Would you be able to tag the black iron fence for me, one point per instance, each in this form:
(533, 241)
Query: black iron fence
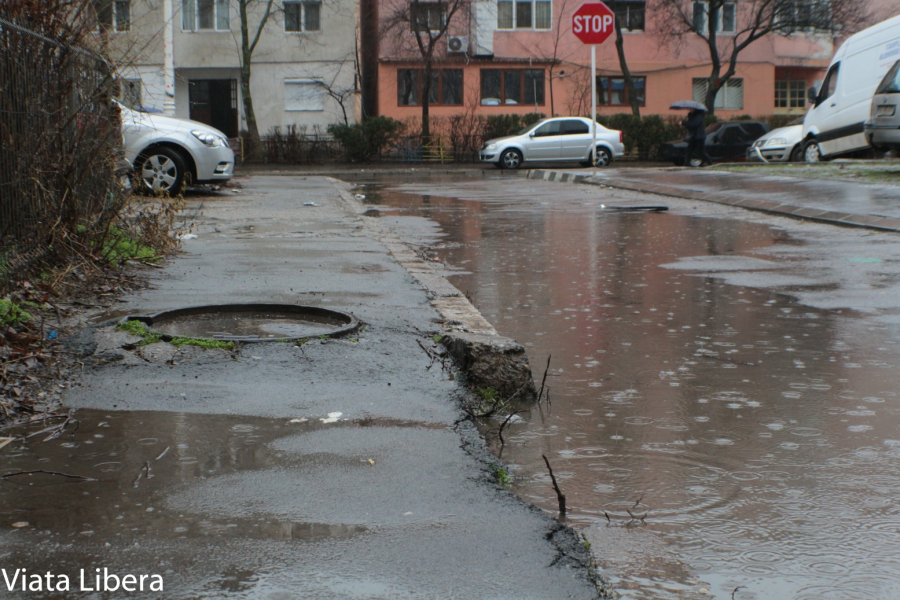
(59, 134)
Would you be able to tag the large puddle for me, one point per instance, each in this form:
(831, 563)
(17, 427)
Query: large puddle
(730, 440)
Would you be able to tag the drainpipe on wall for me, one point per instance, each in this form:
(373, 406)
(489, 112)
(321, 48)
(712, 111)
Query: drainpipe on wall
(168, 59)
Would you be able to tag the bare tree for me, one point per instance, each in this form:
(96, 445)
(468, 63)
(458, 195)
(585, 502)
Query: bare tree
(746, 23)
(417, 26)
(621, 10)
(250, 34)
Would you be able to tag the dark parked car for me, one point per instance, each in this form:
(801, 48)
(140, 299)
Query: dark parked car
(725, 141)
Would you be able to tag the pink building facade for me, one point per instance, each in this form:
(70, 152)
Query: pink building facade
(520, 56)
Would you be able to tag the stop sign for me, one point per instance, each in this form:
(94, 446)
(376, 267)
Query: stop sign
(592, 23)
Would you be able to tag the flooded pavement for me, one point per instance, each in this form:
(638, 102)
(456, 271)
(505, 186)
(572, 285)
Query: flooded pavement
(724, 412)
(332, 469)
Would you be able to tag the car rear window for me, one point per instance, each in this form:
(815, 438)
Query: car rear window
(575, 127)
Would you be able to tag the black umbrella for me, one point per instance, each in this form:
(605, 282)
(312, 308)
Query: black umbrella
(688, 105)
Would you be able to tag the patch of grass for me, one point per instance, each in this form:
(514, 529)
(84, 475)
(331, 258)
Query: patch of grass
(488, 395)
(501, 475)
(117, 246)
(11, 315)
(139, 329)
(437, 338)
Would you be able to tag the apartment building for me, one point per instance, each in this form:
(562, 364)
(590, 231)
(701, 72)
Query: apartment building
(183, 58)
(520, 56)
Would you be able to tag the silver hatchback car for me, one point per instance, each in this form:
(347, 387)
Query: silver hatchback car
(883, 127)
(560, 139)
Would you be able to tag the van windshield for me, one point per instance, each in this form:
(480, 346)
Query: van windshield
(891, 82)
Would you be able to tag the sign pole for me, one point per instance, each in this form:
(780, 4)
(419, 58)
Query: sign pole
(594, 110)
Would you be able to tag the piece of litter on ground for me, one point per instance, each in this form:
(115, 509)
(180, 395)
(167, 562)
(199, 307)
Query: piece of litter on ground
(332, 417)
(300, 420)
(371, 462)
(20, 524)
(310, 204)
(235, 191)
(5, 441)
(360, 196)
(188, 236)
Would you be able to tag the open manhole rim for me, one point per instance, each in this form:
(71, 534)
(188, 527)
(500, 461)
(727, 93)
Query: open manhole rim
(351, 322)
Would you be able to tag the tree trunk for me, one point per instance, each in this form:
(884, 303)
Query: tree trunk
(626, 72)
(253, 144)
(426, 93)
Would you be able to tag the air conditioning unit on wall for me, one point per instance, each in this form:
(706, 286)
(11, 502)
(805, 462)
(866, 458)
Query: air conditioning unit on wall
(457, 44)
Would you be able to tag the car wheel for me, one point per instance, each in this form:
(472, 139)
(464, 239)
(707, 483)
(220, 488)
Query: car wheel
(696, 162)
(811, 152)
(602, 157)
(796, 154)
(162, 171)
(510, 159)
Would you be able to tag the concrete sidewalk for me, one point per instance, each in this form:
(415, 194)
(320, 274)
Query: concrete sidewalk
(336, 469)
(836, 202)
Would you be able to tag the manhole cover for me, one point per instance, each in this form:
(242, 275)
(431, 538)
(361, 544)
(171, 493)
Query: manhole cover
(249, 322)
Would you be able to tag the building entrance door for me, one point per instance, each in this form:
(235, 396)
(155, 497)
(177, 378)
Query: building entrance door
(214, 102)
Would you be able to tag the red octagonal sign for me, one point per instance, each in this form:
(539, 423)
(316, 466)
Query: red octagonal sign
(592, 23)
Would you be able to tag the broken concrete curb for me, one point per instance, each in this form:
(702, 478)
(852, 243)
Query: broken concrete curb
(488, 359)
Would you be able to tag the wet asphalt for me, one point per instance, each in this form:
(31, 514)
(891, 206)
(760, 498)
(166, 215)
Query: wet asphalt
(333, 469)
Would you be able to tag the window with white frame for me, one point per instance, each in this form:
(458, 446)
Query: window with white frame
(630, 14)
(815, 15)
(205, 15)
(302, 15)
(726, 21)
(729, 97)
(524, 14)
(113, 15)
(304, 95)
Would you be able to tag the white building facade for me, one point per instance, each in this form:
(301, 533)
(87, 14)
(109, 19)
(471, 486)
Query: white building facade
(183, 58)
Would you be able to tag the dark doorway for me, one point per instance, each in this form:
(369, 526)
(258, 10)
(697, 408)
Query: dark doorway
(214, 102)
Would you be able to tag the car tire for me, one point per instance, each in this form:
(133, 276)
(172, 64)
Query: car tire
(811, 152)
(696, 162)
(602, 157)
(161, 171)
(796, 154)
(510, 159)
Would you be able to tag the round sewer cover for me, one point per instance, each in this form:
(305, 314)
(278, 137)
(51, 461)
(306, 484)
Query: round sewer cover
(249, 322)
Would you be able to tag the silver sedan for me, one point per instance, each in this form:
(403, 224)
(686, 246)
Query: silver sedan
(560, 139)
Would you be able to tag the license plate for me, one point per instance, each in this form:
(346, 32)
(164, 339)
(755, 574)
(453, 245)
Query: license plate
(886, 110)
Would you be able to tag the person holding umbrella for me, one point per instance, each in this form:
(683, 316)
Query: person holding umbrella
(696, 131)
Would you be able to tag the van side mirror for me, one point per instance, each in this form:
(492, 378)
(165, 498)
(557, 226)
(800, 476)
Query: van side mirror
(812, 94)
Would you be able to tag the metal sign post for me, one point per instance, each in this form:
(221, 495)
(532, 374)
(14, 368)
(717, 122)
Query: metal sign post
(592, 23)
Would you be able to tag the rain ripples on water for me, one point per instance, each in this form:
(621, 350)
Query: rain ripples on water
(725, 375)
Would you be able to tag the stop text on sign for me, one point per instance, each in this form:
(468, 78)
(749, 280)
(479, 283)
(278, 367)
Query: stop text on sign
(592, 24)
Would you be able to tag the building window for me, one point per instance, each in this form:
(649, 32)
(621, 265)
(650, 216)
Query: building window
(520, 86)
(630, 14)
(304, 95)
(725, 23)
(815, 15)
(729, 97)
(113, 15)
(301, 16)
(427, 16)
(524, 14)
(612, 91)
(790, 94)
(205, 15)
(446, 87)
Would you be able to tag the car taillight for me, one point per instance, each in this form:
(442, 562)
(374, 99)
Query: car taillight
(621, 137)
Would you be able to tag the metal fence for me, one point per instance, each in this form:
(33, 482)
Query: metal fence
(59, 133)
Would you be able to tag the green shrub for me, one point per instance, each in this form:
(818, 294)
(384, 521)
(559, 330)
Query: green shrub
(11, 315)
(502, 125)
(363, 142)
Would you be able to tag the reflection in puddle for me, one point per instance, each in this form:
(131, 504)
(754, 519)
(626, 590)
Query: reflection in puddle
(684, 376)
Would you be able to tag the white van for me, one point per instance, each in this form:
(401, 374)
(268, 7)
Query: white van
(834, 125)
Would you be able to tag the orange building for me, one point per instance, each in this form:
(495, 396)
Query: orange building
(520, 56)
